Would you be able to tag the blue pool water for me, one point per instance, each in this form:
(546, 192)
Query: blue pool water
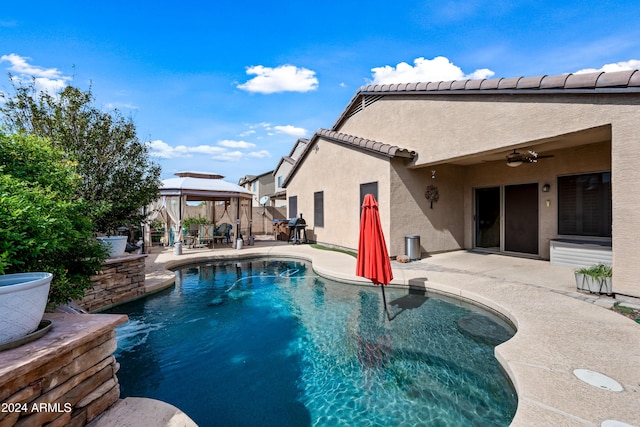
(268, 343)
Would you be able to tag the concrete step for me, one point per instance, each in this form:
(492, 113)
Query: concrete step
(142, 412)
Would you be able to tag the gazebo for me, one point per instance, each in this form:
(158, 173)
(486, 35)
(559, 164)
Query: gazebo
(197, 187)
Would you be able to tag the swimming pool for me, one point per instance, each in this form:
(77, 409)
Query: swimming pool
(267, 342)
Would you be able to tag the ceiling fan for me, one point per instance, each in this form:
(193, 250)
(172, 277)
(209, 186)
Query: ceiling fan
(516, 159)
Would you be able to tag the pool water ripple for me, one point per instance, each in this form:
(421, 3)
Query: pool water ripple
(266, 342)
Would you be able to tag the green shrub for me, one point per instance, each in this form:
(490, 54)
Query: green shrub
(118, 176)
(43, 226)
(188, 222)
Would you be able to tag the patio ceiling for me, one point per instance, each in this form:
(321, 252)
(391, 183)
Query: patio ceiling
(542, 146)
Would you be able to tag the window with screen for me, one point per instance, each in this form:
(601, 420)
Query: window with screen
(584, 205)
(293, 206)
(318, 209)
(368, 188)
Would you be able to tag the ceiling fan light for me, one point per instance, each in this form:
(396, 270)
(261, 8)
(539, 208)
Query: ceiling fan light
(514, 163)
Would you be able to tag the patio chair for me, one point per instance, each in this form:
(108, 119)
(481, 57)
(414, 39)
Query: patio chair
(206, 234)
(223, 232)
(192, 237)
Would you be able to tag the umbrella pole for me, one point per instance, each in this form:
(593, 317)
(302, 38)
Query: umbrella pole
(384, 300)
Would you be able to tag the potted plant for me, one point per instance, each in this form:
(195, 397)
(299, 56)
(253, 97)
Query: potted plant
(115, 245)
(23, 299)
(193, 223)
(595, 279)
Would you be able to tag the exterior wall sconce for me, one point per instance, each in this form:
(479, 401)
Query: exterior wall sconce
(546, 188)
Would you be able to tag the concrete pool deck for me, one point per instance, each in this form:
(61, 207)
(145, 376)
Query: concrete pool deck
(559, 329)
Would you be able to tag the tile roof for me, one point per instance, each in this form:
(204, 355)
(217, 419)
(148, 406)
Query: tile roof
(290, 159)
(627, 81)
(365, 144)
(355, 142)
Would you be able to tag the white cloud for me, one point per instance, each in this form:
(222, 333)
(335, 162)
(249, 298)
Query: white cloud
(290, 130)
(271, 130)
(259, 154)
(49, 80)
(203, 149)
(285, 78)
(229, 156)
(425, 70)
(19, 65)
(161, 149)
(236, 144)
(632, 64)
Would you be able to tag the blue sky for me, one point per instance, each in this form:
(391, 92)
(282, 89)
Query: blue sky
(229, 87)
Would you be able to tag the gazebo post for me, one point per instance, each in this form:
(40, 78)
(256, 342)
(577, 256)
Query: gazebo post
(177, 245)
(250, 222)
(238, 221)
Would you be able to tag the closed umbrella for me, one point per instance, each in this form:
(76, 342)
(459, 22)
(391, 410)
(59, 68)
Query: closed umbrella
(373, 258)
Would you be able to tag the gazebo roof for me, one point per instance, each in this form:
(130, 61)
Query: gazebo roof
(193, 174)
(199, 186)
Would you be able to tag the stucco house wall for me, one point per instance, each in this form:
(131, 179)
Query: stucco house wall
(444, 129)
(338, 172)
(463, 131)
(440, 228)
(282, 171)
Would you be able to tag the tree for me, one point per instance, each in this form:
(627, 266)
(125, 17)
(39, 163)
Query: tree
(43, 225)
(118, 177)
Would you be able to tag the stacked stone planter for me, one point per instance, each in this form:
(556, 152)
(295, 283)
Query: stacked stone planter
(120, 279)
(66, 378)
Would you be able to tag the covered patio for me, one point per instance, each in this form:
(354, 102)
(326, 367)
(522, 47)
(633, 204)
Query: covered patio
(200, 187)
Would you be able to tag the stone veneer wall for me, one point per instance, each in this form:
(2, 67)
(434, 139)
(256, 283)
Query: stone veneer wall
(66, 378)
(121, 279)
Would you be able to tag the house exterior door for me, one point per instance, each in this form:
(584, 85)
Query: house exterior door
(517, 206)
(487, 218)
(521, 218)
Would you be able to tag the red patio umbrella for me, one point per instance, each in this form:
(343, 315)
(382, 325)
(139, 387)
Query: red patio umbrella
(373, 259)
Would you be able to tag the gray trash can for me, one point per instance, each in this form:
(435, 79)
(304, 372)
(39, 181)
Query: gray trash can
(412, 246)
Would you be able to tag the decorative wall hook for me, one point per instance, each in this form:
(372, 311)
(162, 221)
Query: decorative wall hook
(432, 194)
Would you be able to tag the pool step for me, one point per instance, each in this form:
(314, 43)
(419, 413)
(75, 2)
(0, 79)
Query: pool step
(139, 411)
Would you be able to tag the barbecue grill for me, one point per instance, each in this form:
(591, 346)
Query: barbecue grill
(297, 229)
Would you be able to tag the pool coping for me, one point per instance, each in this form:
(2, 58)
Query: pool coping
(558, 330)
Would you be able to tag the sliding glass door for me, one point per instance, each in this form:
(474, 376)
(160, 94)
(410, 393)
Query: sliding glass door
(518, 205)
(487, 218)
